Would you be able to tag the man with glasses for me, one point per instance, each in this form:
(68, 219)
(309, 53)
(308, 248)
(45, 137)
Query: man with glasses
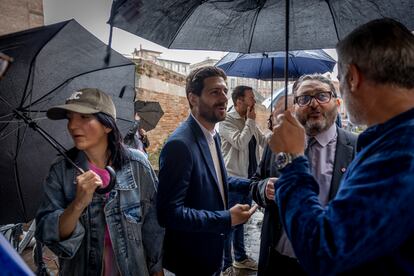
(368, 228)
(330, 149)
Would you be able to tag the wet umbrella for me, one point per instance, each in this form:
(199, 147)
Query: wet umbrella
(150, 114)
(247, 26)
(270, 66)
(50, 63)
(252, 26)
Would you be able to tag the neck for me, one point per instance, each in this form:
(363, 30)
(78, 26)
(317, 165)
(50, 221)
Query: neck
(98, 156)
(389, 101)
(208, 125)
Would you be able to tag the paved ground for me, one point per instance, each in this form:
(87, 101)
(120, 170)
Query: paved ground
(252, 243)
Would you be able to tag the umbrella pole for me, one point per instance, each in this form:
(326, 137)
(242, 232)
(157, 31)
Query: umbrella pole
(287, 51)
(48, 138)
(271, 88)
(62, 150)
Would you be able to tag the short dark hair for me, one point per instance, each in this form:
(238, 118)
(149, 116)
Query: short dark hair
(383, 50)
(195, 80)
(238, 92)
(317, 77)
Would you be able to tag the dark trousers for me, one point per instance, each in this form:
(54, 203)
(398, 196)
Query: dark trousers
(236, 235)
(278, 264)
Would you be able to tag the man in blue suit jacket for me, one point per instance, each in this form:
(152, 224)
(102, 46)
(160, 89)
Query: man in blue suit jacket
(193, 184)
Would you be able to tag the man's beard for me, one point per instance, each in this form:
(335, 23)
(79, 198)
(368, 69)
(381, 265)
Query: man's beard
(314, 127)
(209, 114)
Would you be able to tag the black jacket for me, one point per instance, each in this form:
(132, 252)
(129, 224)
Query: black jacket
(272, 228)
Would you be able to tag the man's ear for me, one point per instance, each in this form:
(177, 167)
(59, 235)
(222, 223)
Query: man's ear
(338, 102)
(193, 99)
(354, 77)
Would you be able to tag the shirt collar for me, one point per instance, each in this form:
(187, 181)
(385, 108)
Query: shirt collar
(328, 135)
(207, 133)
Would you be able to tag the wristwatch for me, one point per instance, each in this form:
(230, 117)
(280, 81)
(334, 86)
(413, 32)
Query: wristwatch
(283, 159)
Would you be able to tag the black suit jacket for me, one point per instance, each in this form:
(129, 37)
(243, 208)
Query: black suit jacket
(272, 228)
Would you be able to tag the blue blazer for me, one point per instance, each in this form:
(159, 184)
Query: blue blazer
(189, 203)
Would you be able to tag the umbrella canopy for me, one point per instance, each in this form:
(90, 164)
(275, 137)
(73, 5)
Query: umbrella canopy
(50, 63)
(259, 66)
(150, 114)
(252, 26)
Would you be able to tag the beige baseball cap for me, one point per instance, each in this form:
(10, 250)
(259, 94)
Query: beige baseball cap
(84, 101)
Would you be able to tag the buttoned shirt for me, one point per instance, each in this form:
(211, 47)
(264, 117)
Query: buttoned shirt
(321, 156)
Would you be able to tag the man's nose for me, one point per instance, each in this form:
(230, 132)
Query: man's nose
(313, 102)
(223, 95)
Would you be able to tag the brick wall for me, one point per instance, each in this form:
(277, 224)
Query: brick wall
(18, 15)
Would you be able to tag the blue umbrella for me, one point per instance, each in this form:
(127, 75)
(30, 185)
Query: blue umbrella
(271, 66)
(259, 65)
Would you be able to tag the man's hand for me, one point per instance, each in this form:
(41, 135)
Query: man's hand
(159, 273)
(288, 135)
(251, 113)
(240, 213)
(270, 188)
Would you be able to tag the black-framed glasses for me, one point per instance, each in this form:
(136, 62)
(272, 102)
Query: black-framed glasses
(321, 97)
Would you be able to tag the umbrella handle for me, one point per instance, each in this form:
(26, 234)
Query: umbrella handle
(111, 184)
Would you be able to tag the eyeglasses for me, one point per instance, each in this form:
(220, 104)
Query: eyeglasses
(321, 97)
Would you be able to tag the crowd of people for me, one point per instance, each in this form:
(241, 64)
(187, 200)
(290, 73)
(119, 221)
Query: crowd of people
(334, 203)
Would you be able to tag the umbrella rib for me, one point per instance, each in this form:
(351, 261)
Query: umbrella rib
(19, 188)
(254, 26)
(73, 77)
(187, 16)
(333, 18)
(34, 61)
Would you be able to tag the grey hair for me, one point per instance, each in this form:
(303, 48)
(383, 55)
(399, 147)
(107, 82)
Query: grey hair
(383, 50)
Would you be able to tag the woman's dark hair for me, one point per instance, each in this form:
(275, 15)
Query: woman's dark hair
(119, 154)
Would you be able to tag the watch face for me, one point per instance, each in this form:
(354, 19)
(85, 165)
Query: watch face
(281, 160)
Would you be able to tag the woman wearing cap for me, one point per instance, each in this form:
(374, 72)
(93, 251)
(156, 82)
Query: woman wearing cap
(112, 234)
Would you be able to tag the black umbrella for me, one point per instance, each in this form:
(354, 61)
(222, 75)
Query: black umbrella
(247, 26)
(49, 64)
(150, 114)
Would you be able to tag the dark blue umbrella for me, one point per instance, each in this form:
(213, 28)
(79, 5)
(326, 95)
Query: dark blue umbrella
(259, 65)
(271, 66)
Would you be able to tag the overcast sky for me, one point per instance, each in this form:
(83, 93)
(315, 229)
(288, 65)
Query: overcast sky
(93, 15)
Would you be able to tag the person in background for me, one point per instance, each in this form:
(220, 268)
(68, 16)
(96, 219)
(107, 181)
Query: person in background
(112, 234)
(136, 137)
(241, 140)
(368, 227)
(330, 150)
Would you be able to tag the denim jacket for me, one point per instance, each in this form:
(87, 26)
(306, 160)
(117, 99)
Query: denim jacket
(129, 212)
